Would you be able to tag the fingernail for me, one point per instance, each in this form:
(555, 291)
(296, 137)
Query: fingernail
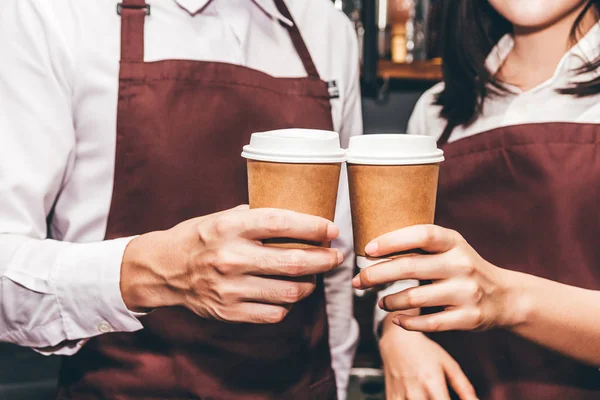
(340, 257)
(380, 304)
(372, 248)
(396, 321)
(332, 231)
(356, 282)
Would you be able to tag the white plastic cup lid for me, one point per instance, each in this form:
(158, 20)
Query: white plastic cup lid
(302, 146)
(393, 149)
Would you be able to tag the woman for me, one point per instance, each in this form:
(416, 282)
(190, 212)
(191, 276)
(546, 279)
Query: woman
(515, 250)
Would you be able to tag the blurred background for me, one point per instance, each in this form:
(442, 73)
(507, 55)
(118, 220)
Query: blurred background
(400, 60)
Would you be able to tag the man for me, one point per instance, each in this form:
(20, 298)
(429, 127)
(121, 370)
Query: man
(120, 169)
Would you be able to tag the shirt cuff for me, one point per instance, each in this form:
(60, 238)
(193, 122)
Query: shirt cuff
(86, 280)
(379, 314)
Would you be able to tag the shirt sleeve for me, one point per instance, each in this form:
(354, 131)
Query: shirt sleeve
(343, 328)
(53, 295)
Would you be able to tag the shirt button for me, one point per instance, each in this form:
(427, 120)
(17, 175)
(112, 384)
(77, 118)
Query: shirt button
(104, 327)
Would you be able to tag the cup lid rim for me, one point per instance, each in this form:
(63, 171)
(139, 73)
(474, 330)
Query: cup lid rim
(331, 152)
(389, 150)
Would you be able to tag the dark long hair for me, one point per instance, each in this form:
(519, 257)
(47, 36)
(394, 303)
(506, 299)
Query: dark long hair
(471, 28)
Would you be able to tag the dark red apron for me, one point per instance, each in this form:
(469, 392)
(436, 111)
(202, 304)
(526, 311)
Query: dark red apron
(526, 198)
(180, 131)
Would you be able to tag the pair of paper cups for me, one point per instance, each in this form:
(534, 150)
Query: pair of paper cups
(392, 180)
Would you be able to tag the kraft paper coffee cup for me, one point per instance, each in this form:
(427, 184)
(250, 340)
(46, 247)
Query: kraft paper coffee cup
(294, 169)
(393, 184)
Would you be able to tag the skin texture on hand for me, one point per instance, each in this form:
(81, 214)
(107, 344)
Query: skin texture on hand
(476, 295)
(472, 290)
(417, 368)
(217, 267)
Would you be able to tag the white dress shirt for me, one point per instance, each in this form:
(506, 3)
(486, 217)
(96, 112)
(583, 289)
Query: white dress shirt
(59, 65)
(538, 105)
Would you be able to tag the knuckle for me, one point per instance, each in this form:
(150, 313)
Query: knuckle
(225, 292)
(222, 261)
(463, 263)
(413, 299)
(295, 263)
(458, 238)
(407, 266)
(220, 314)
(477, 318)
(473, 291)
(202, 232)
(277, 222)
(429, 232)
(225, 225)
(426, 375)
(276, 315)
(292, 293)
(432, 324)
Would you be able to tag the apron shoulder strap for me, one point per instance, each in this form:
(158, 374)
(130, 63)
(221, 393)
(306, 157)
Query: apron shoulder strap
(298, 42)
(133, 15)
(443, 140)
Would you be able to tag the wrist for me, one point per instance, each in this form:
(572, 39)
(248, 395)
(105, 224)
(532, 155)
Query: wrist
(143, 286)
(517, 304)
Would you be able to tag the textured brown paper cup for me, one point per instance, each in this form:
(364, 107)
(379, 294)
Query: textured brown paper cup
(385, 198)
(304, 188)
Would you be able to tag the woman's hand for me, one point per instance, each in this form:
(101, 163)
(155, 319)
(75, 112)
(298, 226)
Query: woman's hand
(417, 368)
(474, 293)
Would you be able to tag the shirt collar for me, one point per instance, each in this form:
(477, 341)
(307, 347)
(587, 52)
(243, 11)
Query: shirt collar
(268, 6)
(586, 50)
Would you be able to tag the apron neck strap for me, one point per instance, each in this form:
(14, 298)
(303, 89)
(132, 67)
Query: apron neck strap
(133, 14)
(298, 42)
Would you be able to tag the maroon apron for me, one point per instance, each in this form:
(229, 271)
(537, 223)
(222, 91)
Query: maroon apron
(527, 198)
(180, 130)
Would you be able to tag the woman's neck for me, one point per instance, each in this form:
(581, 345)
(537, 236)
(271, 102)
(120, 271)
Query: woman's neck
(538, 51)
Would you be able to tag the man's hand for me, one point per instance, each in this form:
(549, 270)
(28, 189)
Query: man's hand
(217, 266)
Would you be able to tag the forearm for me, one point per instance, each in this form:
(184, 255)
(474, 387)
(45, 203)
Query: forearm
(557, 316)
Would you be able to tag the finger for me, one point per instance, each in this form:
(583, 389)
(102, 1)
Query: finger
(458, 319)
(271, 261)
(430, 238)
(444, 293)
(267, 223)
(256, 313)
(420, 267)
(276, 291)
(459, 381)
(436, 387)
